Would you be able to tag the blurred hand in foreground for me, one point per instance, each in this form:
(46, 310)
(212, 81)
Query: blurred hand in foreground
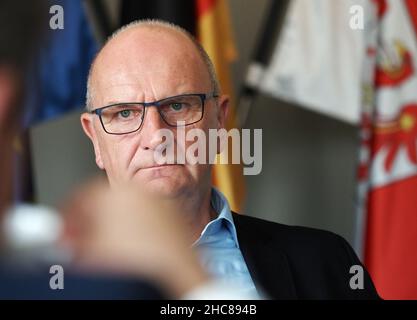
(133, 232)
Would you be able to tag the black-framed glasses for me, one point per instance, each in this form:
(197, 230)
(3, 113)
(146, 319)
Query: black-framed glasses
(181, 110)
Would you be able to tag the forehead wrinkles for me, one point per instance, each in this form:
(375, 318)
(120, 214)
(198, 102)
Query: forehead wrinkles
(142, 91)
(158, 81)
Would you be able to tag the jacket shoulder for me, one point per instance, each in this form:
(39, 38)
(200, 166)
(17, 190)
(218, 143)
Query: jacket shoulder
(320, 261)
(287, 236)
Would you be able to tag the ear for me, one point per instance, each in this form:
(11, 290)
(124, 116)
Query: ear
(223, 111)
(224, 103)
(87, 122)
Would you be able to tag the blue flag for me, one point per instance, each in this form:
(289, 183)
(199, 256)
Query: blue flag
(57, 83)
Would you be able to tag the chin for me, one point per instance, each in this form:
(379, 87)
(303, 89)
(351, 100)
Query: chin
(165, 187)
(169, 182)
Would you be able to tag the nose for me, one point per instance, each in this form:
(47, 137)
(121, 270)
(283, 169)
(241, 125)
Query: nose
(151, 135)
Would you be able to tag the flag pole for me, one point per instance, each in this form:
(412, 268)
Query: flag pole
(260, 59)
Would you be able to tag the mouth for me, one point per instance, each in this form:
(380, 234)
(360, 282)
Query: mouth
(162, 166)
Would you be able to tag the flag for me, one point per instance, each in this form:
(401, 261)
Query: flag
(58, 80)
(388, 166)
(317, 57)
(56, 83)
(215, 34)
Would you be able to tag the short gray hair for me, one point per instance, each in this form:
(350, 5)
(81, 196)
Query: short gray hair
(154, 23)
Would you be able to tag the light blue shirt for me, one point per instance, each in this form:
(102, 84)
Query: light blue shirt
(219, 250)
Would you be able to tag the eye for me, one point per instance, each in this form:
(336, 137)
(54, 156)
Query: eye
(176, 106)
(125, 113)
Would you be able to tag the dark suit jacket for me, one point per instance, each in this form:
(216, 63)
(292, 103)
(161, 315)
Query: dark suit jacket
(288, 262)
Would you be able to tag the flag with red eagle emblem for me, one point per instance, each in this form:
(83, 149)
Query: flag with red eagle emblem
(388, 165)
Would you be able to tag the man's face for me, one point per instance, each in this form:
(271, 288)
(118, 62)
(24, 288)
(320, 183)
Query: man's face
(145, 65)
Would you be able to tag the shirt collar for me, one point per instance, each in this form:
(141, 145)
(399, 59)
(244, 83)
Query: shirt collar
(224, 219)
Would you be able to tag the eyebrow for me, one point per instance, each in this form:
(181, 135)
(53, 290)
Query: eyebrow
(132, 101)
(114, 102)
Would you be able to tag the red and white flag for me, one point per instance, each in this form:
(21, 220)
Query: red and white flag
(388, 168)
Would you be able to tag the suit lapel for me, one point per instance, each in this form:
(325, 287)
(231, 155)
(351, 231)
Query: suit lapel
(267, 264)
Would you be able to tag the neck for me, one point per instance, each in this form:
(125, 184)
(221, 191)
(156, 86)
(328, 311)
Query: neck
(200, 213)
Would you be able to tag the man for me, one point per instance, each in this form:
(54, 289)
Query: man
(152, 76)
(178, 276)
